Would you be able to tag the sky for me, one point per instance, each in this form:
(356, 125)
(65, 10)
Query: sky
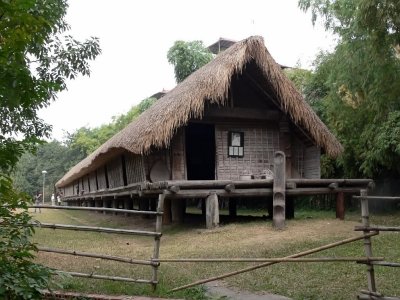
(135, 37)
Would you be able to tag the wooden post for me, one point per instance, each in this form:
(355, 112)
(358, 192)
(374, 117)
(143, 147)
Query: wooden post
(279, 190)
(104, 205)
(212, 211)
(340, 209)
(167, 217)
(98, 203)
(115, 205)
(144, 204)
(128, 204)
(156, 251)
(289, 207)
(232, 207)
(178, 210)
(367, 240)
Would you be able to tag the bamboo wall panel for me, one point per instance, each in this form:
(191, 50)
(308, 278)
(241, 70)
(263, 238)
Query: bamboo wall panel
(260, 144)
(178, 158)
(69, 190)
(92, 181)
(298, 150)
(86, 187)
(134, 168)
(101, 178)
(312, 162)
(76, 187)
(115, 173)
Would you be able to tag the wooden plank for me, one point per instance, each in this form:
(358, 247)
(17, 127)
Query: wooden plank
(242, 113)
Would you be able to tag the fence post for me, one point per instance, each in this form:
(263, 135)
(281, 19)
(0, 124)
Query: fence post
(279, 190)
(156, 251)
(367, 240)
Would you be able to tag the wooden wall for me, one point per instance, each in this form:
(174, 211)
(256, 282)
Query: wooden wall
(154, 157)
(93, 181)
(115, 173)
(260, 143)
(312, 162)
(178, 156)
(101, 178)
(134, 168)
(69, 190)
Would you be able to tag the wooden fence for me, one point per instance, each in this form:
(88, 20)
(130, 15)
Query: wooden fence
(368, 232)
(153, 263)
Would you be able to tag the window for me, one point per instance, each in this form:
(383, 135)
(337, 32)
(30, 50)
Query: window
(235, 144)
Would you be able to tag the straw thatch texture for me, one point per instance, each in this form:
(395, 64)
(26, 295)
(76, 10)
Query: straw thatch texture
(210, 84)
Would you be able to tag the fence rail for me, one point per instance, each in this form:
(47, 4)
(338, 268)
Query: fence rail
(155, 234)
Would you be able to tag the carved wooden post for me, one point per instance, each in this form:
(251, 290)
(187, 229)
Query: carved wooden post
(212, 211)
(279, 190)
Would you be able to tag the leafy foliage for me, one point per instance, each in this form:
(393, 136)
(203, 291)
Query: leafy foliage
(188, 57)
(37, 57)
(357, 86)
(20, 277)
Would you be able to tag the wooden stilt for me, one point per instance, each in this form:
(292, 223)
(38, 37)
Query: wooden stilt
(156, 251)
(104, 205)
(289, 208)
(340, 208)
(212, 211)
(115, 205)
(167, 217)
(232, 208)
(177, 210)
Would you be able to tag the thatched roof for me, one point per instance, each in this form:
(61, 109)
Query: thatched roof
(210, 84)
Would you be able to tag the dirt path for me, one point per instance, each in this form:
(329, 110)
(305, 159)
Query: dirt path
(218, 290)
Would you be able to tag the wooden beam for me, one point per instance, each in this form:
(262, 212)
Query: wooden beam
(243, 113)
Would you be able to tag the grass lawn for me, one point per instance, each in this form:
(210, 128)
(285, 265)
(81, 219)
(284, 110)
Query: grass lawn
(246, 239)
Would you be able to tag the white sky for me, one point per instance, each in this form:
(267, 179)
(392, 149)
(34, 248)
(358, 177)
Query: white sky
(136, 35)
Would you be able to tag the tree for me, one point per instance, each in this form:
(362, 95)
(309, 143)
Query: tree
(37, 57)
(54, 157)
(188, 57)
(358, 84)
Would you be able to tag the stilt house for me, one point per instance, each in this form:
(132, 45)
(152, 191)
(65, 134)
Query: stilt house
(224, 122)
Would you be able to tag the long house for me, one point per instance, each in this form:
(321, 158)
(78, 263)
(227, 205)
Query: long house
(224, 123)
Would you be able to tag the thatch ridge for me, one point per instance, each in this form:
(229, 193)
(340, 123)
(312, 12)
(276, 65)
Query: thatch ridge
(155, 127)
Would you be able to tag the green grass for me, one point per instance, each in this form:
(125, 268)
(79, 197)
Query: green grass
(250, 239)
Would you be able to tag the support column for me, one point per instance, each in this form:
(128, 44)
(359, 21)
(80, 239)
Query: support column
(128, 204)
(279, 190)
(340, 208)
(232, 207)
(178, 207)
(167, 217)
(289, 208)
(104, 205)
(98, 203)
(114, 205)
(144, 205)
(212, 211)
